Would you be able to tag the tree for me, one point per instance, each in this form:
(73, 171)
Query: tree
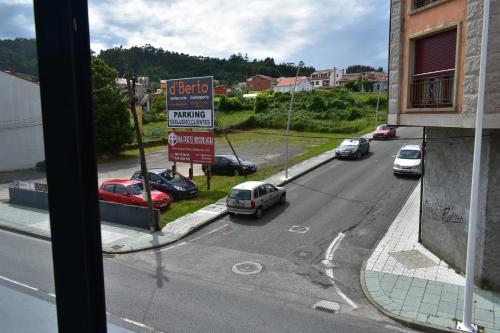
(112, 118)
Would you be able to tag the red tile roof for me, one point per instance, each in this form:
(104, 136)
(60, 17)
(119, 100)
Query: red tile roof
(290, 81)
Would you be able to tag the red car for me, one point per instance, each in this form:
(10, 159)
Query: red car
(130, 192)
(384, 132)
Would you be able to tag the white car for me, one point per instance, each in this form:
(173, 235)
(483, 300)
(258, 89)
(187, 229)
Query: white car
(408, 161)
(252, 198)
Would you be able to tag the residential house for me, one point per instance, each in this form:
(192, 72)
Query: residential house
(372, 81)
(286, 84)
(21, 133)
(327, 78)
(240, 86)
(222, 90)
(260, 82)
(434, 77)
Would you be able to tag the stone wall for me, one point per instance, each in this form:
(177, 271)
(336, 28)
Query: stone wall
(446, 200)
(395, 51)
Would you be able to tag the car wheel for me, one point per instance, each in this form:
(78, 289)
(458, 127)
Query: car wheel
(232, 214)
(259, 213)
(359, 155)
(283, 199)
(236, 172)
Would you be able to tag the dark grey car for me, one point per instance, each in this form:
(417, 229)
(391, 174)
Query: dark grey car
(170, 182)
(353, 148)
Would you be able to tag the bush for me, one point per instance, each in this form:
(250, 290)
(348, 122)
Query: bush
(262, 104)
(317, 104)
(372, 101)
(338, 104)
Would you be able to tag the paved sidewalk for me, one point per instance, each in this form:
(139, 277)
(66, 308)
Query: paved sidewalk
(410, 284)
(123, 239)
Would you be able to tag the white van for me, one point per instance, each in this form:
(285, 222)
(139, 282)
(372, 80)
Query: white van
(251, 198)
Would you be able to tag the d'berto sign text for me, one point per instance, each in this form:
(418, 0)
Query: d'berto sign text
(191, 147)
(190, 102)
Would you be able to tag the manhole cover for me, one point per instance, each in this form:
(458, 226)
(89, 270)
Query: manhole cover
(413, 259)
(299, 229)
(302, 254)
(246, 268)
(327, 306)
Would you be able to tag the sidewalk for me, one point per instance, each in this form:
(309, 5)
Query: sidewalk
(122, 239)
(407, 282)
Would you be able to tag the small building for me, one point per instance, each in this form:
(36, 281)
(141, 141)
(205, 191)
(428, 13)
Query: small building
(327, 78)
(163, 86)
(286, 84)
(372, 81)
(21, 131)
(240, 86)
(260, 82)
(222, 90)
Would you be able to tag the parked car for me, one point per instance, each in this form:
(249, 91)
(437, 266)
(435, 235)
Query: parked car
(252, 198)
(228, 165)
(168, 181)
(408, 161)
(353, 148)
(131, 192)
(384, 132)
(40, 166)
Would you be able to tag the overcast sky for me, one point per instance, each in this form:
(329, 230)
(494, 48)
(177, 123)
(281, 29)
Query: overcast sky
(322, 33)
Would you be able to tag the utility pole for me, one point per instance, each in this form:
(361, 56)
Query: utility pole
(301, 63)
(144, 169)
(466, 325)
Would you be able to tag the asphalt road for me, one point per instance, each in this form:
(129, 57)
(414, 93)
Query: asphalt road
(190, 286)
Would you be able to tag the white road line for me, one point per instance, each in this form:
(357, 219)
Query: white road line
(51, 295)
(19, 283)
(333, 246)
(210, 232)
(136, 323)
(167, 248)
(345, 298)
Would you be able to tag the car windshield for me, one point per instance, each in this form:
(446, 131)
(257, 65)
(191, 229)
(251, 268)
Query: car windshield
(240, 194)
(383, 128)
(349, 143)
(409, 154)
(135, 188)
(232, 158)
(171, 175)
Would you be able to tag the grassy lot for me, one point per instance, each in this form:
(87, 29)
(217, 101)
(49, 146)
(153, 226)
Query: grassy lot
(221, 185)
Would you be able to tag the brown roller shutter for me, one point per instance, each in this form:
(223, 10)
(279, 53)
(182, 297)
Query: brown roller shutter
(436, 52)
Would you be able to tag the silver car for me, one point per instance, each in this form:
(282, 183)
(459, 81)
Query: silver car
(408, 161)
(252, 198)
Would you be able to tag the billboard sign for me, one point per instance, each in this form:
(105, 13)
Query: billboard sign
(190, 102)
(191, 147)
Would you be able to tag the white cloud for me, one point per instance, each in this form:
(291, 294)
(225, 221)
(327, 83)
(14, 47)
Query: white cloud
(261, 28)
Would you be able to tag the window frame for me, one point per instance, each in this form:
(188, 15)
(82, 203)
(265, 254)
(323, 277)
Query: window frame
(411, 67)
(414, 10)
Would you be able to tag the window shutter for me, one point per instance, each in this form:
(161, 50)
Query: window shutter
(436, 52)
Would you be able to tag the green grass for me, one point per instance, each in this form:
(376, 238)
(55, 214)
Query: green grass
(229, 119)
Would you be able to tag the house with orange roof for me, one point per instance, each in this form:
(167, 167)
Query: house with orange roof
(286, 84)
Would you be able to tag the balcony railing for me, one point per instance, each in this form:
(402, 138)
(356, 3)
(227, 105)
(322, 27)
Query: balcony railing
(422, 3)
(432, 90)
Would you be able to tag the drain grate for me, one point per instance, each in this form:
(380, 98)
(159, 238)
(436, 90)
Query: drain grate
(110, 256)
(247, 268)
(327, 306)
(413, 259)
(299, 229)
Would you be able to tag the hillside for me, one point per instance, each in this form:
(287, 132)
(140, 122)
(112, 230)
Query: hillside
(20, 53)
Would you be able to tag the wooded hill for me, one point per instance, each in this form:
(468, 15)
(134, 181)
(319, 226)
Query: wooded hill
(156, 63)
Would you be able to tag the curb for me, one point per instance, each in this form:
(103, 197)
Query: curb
(24, 232)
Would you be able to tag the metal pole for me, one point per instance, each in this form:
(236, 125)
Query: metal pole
(376, 110)
(288, 121)
(467, 325)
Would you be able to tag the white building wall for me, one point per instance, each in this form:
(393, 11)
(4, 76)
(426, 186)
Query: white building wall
(21, 135)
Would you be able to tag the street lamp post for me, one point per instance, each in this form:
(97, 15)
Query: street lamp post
(301, 63)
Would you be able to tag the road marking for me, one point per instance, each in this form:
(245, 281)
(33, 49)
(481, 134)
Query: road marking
(167, 248)
(330, 252)
(19, 283)
(51, 295)
(136, 323)
(210, 232)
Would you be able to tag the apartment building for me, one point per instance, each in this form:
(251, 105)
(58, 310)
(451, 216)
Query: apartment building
(434, 76)
(327, 78)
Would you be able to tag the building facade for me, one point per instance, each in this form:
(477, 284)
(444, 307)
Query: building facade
(260, 82)
(286, 84)
(434, 76)
(327, 78)
(21, 133)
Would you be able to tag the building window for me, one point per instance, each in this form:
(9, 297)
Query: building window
(421, 3)
(432, 82)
